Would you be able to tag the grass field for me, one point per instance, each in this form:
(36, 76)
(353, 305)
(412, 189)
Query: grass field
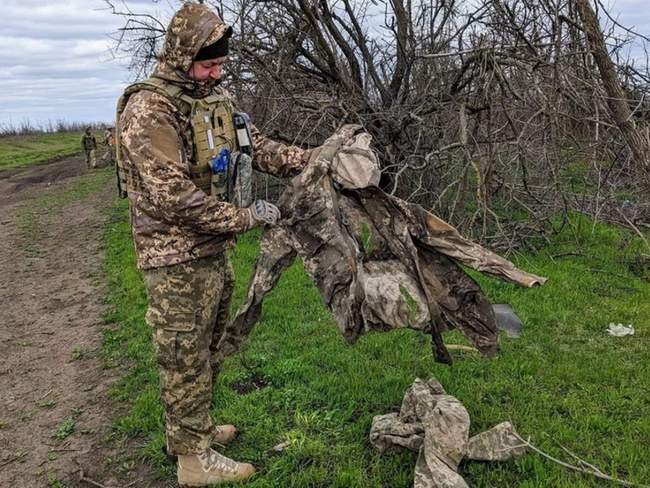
(18, 151)
(564, 383)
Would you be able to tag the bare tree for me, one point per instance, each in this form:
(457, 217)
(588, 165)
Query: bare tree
(498, 116)
(138, 39)
(616, 98)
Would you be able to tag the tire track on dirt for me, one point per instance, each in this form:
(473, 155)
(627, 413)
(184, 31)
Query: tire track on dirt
(54, 412)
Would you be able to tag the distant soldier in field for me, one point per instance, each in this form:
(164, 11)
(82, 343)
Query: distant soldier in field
(178, 141)
(89, 145)
(109, 143)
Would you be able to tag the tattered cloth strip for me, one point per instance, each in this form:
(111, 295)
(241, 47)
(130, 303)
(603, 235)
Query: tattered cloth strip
(379, 263)
(436, 425)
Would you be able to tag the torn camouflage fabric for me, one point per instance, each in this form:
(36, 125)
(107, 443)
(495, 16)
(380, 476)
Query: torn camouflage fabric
(436, 425)
(379, 263)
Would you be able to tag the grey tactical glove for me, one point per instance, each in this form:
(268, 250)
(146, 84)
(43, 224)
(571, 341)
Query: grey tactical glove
(263, 212)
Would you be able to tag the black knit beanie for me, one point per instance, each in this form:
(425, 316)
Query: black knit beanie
(217, 49)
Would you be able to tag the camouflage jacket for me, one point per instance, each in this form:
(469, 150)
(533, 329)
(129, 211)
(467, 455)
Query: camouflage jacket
(380, 263)
(88, 142)
(172, 220)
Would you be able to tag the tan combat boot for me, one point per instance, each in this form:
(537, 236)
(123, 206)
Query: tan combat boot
(210, 468)
(223, 435)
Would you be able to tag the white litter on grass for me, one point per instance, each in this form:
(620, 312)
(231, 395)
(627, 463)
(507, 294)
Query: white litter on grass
(281, 447)
(620, 330)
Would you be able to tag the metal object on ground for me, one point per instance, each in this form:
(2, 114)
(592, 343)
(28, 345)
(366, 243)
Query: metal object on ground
(507, 320)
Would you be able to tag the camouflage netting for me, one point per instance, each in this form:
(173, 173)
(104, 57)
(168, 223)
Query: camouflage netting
(380, 263)
(436, 426)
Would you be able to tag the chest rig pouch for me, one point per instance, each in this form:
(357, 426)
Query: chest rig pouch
(221, 164)
(215, 145)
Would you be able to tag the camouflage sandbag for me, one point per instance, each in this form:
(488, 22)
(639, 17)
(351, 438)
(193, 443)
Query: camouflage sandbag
(436, 425)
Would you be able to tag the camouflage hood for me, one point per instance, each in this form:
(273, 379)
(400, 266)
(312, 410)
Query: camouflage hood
(192, 27)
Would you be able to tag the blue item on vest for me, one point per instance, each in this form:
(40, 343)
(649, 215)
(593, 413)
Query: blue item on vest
(220, 167)
(220, 163)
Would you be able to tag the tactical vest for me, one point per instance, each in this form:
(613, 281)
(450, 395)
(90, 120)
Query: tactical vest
(212, 131)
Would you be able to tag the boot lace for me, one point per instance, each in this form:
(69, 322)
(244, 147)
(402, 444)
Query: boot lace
(211, 460)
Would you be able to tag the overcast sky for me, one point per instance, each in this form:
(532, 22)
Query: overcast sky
(56, 63)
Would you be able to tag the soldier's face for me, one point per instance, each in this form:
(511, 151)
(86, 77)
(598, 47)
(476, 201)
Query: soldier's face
(208, 69)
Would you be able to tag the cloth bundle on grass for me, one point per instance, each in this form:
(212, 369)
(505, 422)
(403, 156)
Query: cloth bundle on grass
(436, 426)
(379, 262)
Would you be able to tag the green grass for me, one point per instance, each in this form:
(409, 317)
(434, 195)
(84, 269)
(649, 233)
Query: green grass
(565, 382)
(54, 482)
(18, 151)
(68, 426)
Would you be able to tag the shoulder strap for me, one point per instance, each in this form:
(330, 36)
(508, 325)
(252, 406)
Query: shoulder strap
(171, 92)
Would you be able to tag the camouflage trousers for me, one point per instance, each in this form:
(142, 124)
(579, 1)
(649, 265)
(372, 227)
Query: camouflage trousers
(188, 310)
(108, 158)
(91, 159)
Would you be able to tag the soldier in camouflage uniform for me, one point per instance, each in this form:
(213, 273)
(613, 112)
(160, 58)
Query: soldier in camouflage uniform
(109, 142)
(89, 146)
(181, 235)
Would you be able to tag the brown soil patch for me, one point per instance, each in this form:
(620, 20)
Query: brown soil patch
(254, 382)
(55, 416)
(16, 184)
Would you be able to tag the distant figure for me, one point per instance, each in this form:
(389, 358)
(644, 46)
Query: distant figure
(109, 143)
(89, 145)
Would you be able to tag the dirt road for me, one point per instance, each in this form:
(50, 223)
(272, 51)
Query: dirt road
(55, 416)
